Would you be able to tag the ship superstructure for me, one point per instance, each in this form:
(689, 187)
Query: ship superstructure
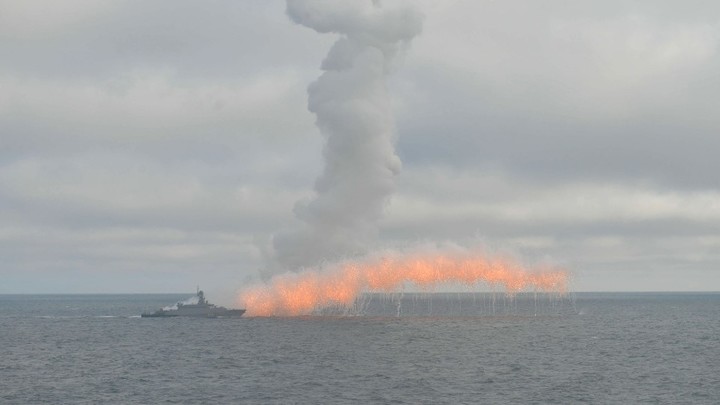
(198, 307)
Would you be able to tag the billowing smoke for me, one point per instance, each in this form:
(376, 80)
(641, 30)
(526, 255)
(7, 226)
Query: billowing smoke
(354, 115)
(327, 254)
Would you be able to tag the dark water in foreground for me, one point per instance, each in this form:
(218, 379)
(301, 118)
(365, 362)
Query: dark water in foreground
(596, 348)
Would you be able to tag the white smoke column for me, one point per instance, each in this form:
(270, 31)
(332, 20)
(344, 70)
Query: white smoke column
(353, 113)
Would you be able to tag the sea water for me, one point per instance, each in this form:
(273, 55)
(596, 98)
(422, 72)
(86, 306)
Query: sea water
(402, 349)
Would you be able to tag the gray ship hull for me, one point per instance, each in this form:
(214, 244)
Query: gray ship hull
(227, 313)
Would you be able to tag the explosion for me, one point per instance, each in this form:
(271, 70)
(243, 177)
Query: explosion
(354, 114)
(304, 293)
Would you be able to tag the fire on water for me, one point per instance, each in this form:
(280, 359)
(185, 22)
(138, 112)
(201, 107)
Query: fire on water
(303, 293)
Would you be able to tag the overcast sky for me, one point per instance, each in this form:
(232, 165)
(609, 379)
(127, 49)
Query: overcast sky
(153, 146)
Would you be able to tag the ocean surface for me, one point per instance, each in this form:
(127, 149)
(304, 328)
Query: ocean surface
(622, 348)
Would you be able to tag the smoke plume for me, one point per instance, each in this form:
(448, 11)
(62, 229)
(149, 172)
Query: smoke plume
(353, 113)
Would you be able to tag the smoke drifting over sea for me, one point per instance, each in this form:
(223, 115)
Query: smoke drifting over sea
(353, 113)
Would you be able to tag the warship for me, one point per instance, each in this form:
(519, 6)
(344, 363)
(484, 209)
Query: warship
(197, 307)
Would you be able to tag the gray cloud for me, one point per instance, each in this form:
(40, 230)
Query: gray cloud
(141, 142)
(627, 93)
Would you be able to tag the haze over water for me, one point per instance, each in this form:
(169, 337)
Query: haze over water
(444, 348)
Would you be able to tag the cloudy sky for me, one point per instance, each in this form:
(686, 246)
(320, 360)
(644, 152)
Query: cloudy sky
(153, 146)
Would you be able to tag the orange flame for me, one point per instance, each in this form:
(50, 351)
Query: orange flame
(302, 293)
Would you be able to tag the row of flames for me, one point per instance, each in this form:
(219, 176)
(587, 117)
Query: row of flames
(303, 293)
